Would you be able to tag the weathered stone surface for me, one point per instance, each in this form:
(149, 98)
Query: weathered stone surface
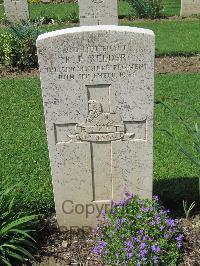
(16, 10)
(97, 85)
(190, 7)
(98, 12)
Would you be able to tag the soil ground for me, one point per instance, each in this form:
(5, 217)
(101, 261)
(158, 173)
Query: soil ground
(65, 248)
(175, 65)
(163, 65)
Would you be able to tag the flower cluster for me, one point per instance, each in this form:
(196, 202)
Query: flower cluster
(138, 232)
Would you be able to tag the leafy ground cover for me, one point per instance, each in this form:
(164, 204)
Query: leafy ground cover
(24, 154)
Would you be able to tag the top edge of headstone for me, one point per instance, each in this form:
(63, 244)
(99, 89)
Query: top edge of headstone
(94, 28)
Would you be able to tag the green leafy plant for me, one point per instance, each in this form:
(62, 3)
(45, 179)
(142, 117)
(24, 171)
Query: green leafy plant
(138, 232)
(195, 134)
(187, 209)
(7, 44)
(25, 48)
(18, 46)
(73, 16)
(147, 8)
(16, 243)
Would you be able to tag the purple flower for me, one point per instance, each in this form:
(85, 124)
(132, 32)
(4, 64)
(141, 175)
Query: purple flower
(162, 227)
(122, 203)
(129, 195)
(180, 237)
(166, 236)
(170, 222)
(179, 244)
(136, 239)
(144, 209)
(156, 198)
(157, 219)
(163, 212)
(120, 221)
(140, 232)
(112, 211)
(129, 255)
(103, 212)
(144, 238)
(155, 249)
(155, 260)
(102, 244)
(113, 203)
(143, 254)
(152, 223)
(123, 220)
(129, 244)
(99, 248)
(174, 230)
(139, 216)
(143, 245)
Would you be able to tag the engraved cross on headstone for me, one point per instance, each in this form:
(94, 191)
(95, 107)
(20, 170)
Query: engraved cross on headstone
(101, 128)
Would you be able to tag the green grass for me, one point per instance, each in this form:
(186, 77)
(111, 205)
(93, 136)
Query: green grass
(65, 11)
(175, 176)
(61, 11)
(24, 155)
(173, 37)
(171, 7)
(23, 150)
(69, 11)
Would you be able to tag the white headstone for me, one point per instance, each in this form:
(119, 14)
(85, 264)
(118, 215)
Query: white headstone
(16, 10)
(98, 86)
(98, 12)
(190, 7)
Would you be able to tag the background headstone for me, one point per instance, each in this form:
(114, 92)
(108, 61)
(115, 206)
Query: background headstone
(98, 85)
(190, 7)
(98, 12)
(16, 10)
